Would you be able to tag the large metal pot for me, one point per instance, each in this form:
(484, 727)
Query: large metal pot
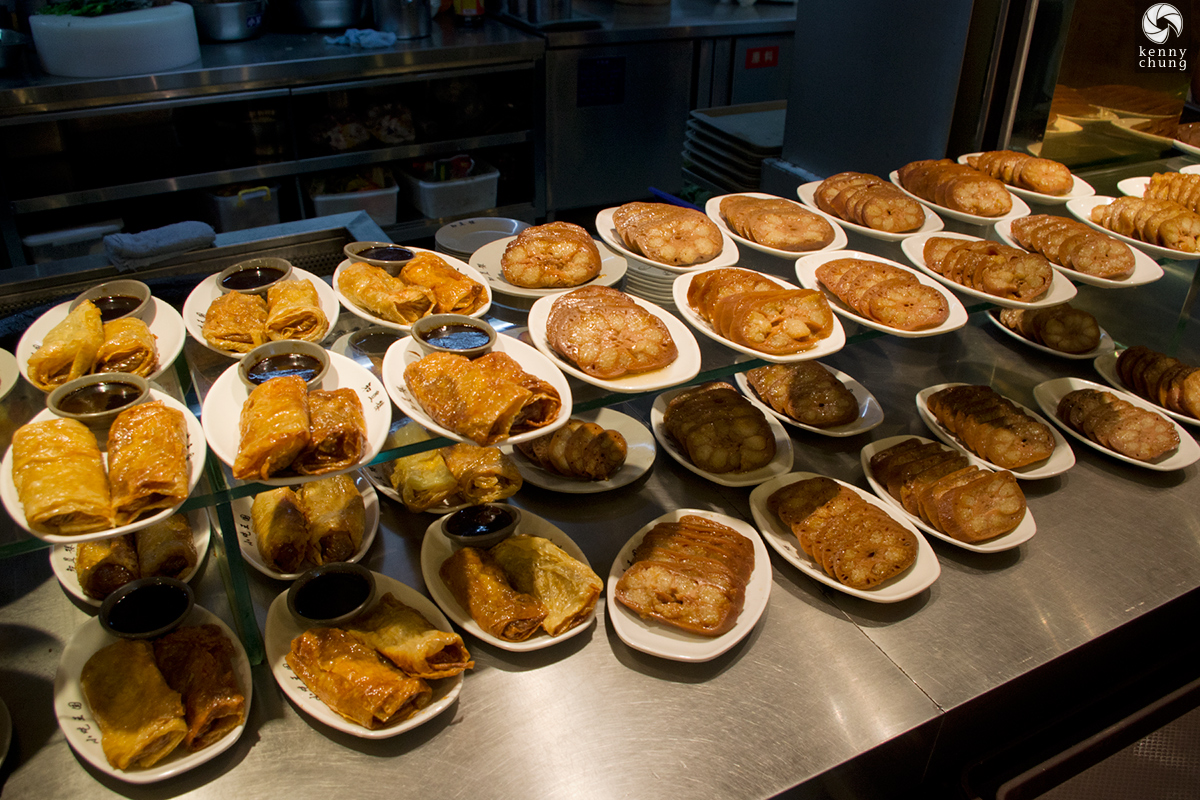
(321, 14)
(229, 22)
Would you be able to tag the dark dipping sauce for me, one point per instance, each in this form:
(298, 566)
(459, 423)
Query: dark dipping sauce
(478, 520)
(457, 337)
(104, 396)
(331, 595)
(251, 278)
(387, 253)
(115, 306)
(283, 365)
(148, 608)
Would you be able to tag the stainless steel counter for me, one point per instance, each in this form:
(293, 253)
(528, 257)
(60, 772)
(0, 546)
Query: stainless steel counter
(821, 682)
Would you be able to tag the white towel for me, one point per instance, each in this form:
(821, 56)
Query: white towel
(128, 251)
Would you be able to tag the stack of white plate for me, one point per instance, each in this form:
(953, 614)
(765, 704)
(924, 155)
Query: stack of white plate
(463, 237)
(649, 283)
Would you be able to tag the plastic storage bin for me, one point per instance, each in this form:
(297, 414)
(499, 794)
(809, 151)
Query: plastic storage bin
(456, 196)
(380, 204)
(251, 207)
(69, 243)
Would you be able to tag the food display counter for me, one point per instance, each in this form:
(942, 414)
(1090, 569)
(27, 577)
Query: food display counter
(828, 695)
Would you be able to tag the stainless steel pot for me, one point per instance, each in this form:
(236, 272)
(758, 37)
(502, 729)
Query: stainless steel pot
(321, 14)
(229, 22)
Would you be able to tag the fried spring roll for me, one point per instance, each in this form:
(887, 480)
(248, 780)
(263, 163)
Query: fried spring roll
(336, 518)
(147, 460)
(106, 565)
(60, 478)
(197, 662)
(404, 637)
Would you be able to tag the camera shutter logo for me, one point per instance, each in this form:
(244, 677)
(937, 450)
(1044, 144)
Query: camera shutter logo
(1160, 20)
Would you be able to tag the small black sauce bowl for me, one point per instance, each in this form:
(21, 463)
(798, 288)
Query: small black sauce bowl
(284, 347)
(97, 419)
(425, 325)
(260, 262)
(123, 287)
(481, 540)
(354, 250)
(331, 594)
(146, 608)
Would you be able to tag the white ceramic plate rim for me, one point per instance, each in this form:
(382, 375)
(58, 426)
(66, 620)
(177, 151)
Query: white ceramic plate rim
(832, 343)
(1019, 207)
(1049, 393)
(486, 260)
(405, 351)
(197, 453)
(1060, 460)
(665, 641)
(1135, 186)
(781, 463)
(712, 209)
(436, 548)
(1106, 365)
(685, 366)
(1145, 269)
(9, 372)
(458, 264)
(1081, 209)
(919, 576)
(1061, 290)
(167, 327)
(1018, 535)
(604, 226)
(806, 273)
(807, 193)
(640, 452)
(248, 541)
(281, 628)
(62, 558)
(199, 299)
(870, 413)
(223, 408)
(1079, 188)
(1106, 342)
(80, 728)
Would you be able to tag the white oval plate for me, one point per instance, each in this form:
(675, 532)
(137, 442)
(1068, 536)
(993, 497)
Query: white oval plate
(1061, 290)
(640, 450)
(806, 273)
(1106, 342)
(808, 195)
(8, 373)
(1079, 188)
(197, 303)
(1049, 393)
(1145, 268)
(919, 576)
(436, 548)
(486, 260)
(1081, 209)
(1134, 187)
(870, 413)
(223, 409)
(197, 453)
(282, 628)
(666, 641)
(608, 232)
(835, 341)
(713, 209)
(685, 366)
(1019, 535)
(1019, 207)
(80, 727)
(62, 558)
(248, 541)
(1190, 169)
(781, 463)
(406, 351)
(166, 325)
(461, 266)
(1106, 365)
(1060, 460)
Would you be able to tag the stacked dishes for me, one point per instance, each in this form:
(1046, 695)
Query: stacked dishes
(649, 283)
(463, 237)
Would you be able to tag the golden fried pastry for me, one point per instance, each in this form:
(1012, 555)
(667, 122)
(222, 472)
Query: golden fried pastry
(337, 432)
(105, 565)
(1073, 245)
(453, 292)
(607, 335)
(690, 574)
(806, 392)
(482, 474)
(147, 460)
(484, 590)
(957, 187)
(775, 222)
(1164, 223)
(566, 587)
(1059, 327)
(334, 517)
(236, 322)
(581, 450)
(166, 547)
(884, 293)
(294, 312)
(554, 255)
(1024, 171)
(718, 429)
(128, 346)
(991, 426)
(990, 267)
(280, 529)
(383, 295)
(486, 400)
(197, 662)
(274, 428)
(668, 234)
(403, 636)
(870, 201)
(1118, 424)
(1161, 379)
(68, 350)
(60, 477)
